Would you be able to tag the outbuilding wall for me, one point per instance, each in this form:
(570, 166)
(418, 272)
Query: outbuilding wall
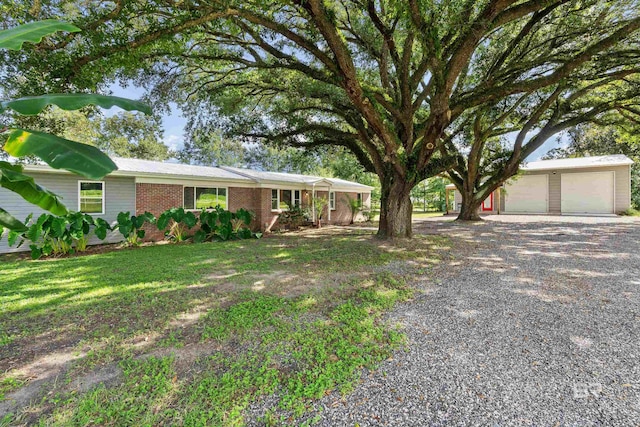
(622, 185)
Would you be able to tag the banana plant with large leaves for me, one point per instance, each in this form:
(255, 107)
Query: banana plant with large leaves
(57, 152)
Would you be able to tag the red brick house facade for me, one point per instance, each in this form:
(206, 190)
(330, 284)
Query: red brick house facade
(140, 185)
(251, 190)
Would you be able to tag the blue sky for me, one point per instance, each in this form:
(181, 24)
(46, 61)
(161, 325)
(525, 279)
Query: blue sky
(173, 124)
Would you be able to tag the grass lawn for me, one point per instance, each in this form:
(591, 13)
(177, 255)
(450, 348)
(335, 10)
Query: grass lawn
(420, 214)
(198, 334)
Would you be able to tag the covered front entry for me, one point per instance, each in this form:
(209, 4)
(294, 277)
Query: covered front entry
(527, 194)
(591, 192)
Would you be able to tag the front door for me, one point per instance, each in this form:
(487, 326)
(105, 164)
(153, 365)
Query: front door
(487, 205)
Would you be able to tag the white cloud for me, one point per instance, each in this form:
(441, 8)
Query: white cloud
(173, 141)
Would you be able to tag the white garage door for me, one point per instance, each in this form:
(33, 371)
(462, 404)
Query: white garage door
(591, 192)
(527, 194)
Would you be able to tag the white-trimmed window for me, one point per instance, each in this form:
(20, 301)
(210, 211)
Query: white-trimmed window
(332, 200)
(286, 199)
(91, 197)
(282, 200)
(204, 197)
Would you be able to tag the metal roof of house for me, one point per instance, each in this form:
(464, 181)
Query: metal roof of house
(281, 177)
(137, 166)
(149, 168)
(579, 162)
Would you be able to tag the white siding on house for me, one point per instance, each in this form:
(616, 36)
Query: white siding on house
(120, 193)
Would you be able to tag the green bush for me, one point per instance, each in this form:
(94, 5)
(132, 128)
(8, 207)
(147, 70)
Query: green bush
(59, 235)
(355, 206)
(179, 222)
(630, 212)
(368, 215)
(219, 224)
(52, 235)
(294, 217)
(130, 226)
(319, 203)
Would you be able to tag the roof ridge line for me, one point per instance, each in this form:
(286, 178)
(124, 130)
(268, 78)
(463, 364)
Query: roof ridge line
(235, 171)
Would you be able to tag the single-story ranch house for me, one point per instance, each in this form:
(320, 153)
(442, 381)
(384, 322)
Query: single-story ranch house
(585, 185)
(141, 185)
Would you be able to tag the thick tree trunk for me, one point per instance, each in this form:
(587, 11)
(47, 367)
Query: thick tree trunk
(469, 211)
(395, 209)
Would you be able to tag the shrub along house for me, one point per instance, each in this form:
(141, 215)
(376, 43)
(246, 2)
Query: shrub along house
(141, 185)
(584, 185)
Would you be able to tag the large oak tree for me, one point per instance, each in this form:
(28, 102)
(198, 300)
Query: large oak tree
(398, 83)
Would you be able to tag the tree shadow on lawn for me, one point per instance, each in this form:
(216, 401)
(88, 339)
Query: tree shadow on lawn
(91, 310)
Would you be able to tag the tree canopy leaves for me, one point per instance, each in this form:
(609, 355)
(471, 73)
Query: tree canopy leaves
(412, 88)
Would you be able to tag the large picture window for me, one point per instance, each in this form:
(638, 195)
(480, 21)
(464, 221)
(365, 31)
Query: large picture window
(91, 197)
(285, 199)
(282, 200)
(205, 197)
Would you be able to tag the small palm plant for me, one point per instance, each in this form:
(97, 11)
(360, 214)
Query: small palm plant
(319, 203)
(355, 206)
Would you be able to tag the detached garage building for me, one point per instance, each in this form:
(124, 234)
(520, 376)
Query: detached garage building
(585, 185)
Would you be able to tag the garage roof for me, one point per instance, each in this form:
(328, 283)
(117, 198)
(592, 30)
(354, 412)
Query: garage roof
(579, 162)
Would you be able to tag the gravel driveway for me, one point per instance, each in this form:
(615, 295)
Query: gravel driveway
(531, 321)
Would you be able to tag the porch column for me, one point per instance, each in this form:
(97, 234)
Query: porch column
(329, 204)
(313, 202)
